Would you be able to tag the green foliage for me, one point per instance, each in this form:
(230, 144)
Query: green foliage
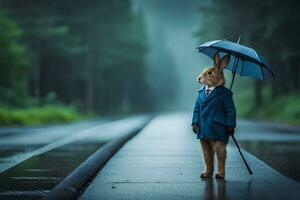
(284, 109)
(37, 115)
(88, 53)
(13, 63)
(243, 102)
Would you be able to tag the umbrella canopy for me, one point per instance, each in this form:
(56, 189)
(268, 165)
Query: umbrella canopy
(243, 60)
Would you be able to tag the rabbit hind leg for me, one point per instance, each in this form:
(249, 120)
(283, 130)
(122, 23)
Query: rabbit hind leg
(208, 157)
(220, 149)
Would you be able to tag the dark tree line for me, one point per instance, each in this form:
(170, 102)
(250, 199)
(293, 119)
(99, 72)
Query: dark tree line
(13, 62)
(271, 27)
(89, 52)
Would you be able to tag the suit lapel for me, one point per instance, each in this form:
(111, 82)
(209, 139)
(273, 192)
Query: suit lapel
(212, 95)
(202, 94)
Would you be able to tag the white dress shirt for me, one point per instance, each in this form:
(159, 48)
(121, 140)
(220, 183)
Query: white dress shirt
(210, 88)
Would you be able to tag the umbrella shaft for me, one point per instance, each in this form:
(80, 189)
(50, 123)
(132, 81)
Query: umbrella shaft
(235, 64)
(232, 81)
(245, 162)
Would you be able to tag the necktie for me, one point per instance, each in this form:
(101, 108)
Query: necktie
(207, 91)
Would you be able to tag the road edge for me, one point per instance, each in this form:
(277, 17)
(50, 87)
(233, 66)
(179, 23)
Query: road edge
(74, 184)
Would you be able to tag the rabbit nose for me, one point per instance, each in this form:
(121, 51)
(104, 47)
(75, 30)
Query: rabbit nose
(199, 78)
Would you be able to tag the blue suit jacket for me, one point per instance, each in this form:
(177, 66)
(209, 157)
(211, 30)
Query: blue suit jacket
(213, 113)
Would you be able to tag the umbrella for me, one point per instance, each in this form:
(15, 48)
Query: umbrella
(244, 61)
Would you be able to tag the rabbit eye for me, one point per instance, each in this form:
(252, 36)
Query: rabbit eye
(209, 73)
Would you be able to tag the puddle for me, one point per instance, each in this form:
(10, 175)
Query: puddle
(281, 156)
(35, 177)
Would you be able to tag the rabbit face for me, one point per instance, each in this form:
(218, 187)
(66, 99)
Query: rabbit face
(214, 76)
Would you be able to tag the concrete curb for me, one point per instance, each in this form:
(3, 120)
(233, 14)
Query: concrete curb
(72, 186)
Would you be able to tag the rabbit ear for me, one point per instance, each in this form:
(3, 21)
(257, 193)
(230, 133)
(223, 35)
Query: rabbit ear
(216, 59)
(224, 61)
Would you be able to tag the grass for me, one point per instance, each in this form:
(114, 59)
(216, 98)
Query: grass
(37, 115)
(284, 109)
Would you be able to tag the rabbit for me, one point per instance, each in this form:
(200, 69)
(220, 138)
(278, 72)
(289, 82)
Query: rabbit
(214, 116)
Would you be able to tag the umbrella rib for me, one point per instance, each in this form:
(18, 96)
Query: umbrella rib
(272, 73)
(262, 60)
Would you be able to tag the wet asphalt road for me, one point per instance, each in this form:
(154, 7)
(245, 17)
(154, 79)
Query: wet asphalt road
(19, 144)
(33, 160)
(278, 145)
(164, 162)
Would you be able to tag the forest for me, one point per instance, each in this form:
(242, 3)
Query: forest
(88, 55)
(270, 27)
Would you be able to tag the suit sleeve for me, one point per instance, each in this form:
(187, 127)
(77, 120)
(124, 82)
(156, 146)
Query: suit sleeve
(195, 120)
(230, 111)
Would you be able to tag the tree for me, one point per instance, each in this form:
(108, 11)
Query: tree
(90, 52)
(13, 63)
